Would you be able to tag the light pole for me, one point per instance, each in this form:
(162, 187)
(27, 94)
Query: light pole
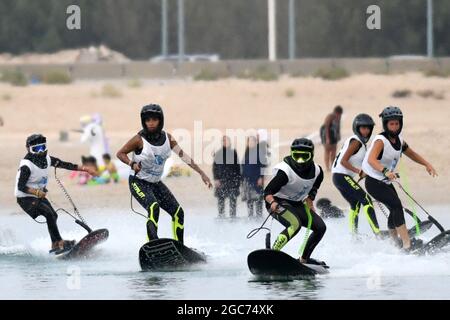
(180, 30)
(272, 29)
(292, 35)
(430, 28)
(164, 31)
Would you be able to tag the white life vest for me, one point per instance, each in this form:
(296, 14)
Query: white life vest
(355, 160)
(152, 159)
(38, 178)
(389, 159)
(297, 188)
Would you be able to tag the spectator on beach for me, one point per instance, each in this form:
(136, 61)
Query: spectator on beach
(330, 134)
(109, 171)
(252, 178)
(227, 177)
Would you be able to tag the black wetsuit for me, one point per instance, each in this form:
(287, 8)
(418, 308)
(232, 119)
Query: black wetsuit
(357, 198)
(296, 213)
(386, 193)
(153, 196)
(35, 207)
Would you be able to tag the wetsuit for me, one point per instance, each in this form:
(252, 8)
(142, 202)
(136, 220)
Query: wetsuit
(344, 181)
(147, 188)
(378, 186)
(33, 173)
(290, 187)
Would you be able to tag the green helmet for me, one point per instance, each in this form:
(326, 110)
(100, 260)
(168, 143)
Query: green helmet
(302, 151)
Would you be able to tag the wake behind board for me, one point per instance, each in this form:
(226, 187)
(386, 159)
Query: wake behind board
(164, 254)
(441, 241)
(85, 245)
(266, 262)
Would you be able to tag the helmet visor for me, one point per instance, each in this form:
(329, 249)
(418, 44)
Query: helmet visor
(38, 148)
(301, 156)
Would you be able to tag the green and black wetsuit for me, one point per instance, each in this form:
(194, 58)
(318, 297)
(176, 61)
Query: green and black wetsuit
(290, 186)
(147, 188)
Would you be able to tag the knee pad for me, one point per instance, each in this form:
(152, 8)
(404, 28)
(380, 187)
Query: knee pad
(153, 213)
(371, 217)
(178, 224)
(178, 216)
(353, 217)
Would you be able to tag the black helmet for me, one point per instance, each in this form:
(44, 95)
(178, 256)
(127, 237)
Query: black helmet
(302, 150)
(38, 141)
(303, 144)
(152, 110)
(391, 113)
(363, 120)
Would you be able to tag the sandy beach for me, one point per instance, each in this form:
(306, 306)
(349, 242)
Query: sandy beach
(224, 104)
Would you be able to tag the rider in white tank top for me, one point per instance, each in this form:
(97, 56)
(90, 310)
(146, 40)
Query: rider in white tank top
(355, 160)
(389, 159)
(150, 149)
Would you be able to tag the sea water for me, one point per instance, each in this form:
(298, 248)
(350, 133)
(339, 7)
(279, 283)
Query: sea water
(361, 267)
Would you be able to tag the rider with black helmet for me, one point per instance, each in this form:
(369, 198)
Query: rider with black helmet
(347, 166)
(379, 165)
(150, 149)
(290, 194)
(31, 187)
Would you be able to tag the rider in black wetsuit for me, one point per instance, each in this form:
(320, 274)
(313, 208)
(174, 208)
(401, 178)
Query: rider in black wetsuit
(151, 147)
(347, 172)
(379, 165)
(31, 186)
(290, 194)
